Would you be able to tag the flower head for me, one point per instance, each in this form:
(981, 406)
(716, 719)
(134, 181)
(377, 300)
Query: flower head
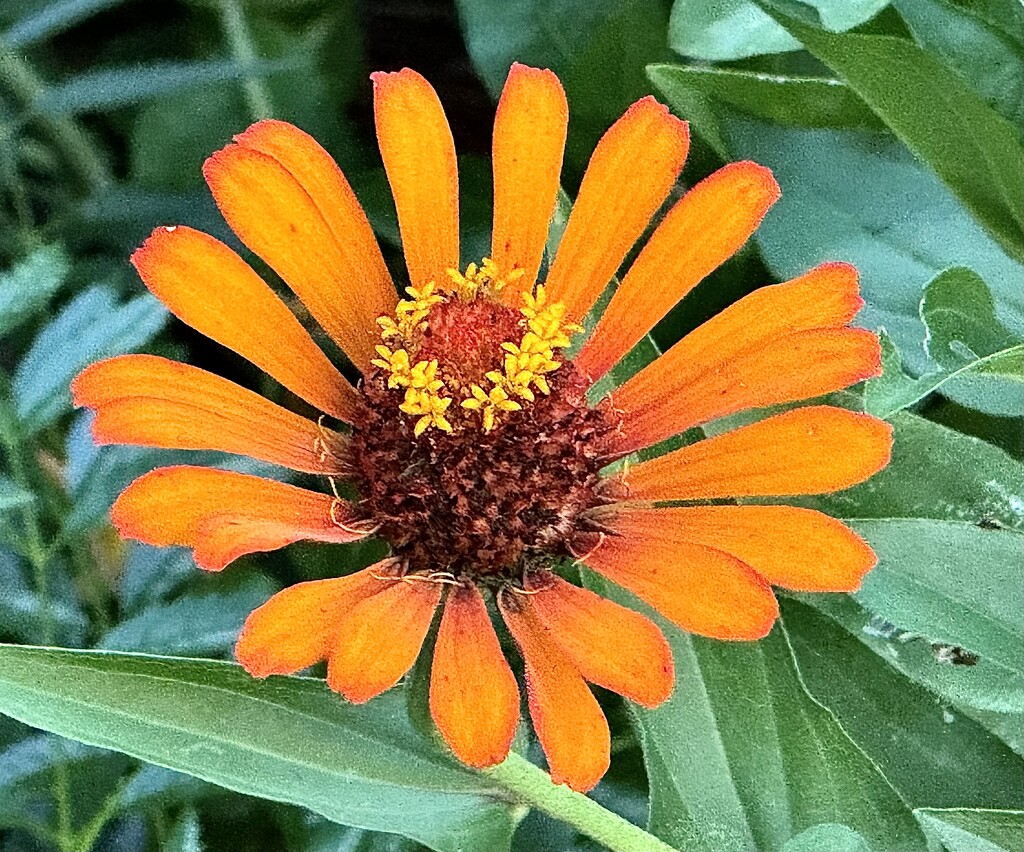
(472, 443)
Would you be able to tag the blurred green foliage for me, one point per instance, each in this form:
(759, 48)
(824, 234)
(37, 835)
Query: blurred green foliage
(889, 720)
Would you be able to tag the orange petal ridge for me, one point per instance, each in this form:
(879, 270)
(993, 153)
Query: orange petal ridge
(703, 230)
(473, 694)
(419, 158)
(274, 215)
(812, 450)
(318, 174)
(224, 515)
(568, 720)
(379, 639)
(150, 401)
(781, 343)
(628, 177)
(529, 140)
(700, 589)
(297, 627)
(798, 549)
(609, 644)
(209, 287)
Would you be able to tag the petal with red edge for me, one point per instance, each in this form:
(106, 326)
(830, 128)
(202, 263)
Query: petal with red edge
(813, 450)
(628, 177)
(223, 515)
(703, 230)
(610, 645)
(419, 158)
(568, 720)
(702, 590)
(209, 287)
(473, 694)
(153, 402)
(529, 140)
(297, 627)
(275, 216)
(794, 548)
(379, 639)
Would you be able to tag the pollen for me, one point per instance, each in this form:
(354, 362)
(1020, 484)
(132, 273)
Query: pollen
(461, 345)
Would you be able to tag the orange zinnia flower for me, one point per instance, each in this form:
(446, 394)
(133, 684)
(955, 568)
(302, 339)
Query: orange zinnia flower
(471, 440)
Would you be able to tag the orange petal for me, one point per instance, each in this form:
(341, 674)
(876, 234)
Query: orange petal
(566, 716)
(610, 645)
(209, 287)
(704, 229)
(297, 627)
(274, 215)
(224, 515)
(317, 173)
(813, 450)
(744, 357)
(379, 639)
(702, 590)
(795, 548)
(473, 694)
(419, 158)
(153, 402)
(529, 139)
(628, 177)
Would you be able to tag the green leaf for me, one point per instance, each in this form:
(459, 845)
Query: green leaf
(986, 57)
(186, 834)
(204, 622)
(12, 495)
(952, 582)
(964, 830)
(981, 364)
(733, 29)
(899, 725)
(27, 287)
(24, 615)
(52, 19)
(92, 326)
(975, 151)
(927, 478)
(285, 739)
(798, 101)
(153, 574)
(741, 758)
(114, 88)
(986, 686)
(828, 835)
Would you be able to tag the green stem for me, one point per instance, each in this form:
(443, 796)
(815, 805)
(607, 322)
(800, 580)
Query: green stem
(90, 833)
(532, 786)
(244, 52)
(18, 77)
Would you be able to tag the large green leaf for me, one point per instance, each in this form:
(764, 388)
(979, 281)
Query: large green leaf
(741, 758)
(952, 582)
(975, 151)
(913, 740)
(27, 287)
(798, 101)
(289, 740)
(963, 830)
(989, 59)
(733, 29)
(927, 478)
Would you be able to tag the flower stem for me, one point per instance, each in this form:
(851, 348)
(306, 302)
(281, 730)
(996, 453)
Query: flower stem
(236, 29)
(532, 786)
